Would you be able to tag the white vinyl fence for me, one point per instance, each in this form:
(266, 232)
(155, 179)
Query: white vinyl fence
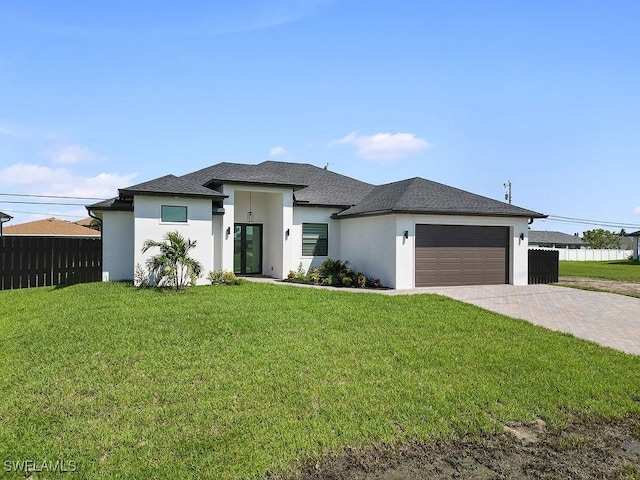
(585, 254)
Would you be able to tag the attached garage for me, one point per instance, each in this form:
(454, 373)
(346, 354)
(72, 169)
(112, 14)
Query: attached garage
(449, 255)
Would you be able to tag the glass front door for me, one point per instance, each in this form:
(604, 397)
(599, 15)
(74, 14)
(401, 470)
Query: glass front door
(247, 249)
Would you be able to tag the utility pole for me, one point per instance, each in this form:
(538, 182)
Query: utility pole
(507, 196)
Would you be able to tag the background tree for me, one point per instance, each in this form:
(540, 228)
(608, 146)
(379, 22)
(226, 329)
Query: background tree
(172, 266)
(600, 238)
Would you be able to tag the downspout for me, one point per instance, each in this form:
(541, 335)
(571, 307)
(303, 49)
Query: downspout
(4, 220)
(101, 240)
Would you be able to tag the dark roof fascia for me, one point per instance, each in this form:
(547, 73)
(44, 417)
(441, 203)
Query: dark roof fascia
(215, 183)
(297, 203)
(5, 217)
(425, 212)
(634, 234)
(214, 196)
(118, 208)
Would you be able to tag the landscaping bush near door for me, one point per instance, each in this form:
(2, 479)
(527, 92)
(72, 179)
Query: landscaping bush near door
(335, 273)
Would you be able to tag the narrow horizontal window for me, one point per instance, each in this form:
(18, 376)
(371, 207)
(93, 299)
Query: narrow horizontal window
(172, 213)
(315, 239)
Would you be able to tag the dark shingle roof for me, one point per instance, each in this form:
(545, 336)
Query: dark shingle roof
(312, 185)
(417, 195)
(316, 186)
(5, 216)
(112, 204)
(555, 238)
(635, 234)
(171, 185)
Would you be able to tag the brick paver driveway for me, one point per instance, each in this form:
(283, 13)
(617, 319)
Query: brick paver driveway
(606, 318)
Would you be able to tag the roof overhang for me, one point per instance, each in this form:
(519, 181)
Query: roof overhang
(213, 196)
(216, 183)
(341, 215)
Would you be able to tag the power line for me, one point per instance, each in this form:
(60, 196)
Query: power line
(584, 221)
(44, 203)
(47, 196)
(44, 214)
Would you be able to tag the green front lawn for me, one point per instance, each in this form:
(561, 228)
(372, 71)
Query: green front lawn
(621, 270)
(235, 382)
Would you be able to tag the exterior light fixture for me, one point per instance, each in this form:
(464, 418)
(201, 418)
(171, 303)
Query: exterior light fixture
(286, 233)
(249, 213)
(228, 230)
(406, 234)
(522, 236)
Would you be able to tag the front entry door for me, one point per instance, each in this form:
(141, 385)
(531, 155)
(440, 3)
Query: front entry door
(247, 249)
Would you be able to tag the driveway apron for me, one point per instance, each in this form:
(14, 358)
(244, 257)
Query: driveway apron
(606, 318)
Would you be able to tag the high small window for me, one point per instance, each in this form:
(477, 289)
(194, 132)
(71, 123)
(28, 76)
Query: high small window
(315, 239)
(172, 213)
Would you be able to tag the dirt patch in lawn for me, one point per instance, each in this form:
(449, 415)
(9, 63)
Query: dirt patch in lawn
(613, 286)
(535, 451)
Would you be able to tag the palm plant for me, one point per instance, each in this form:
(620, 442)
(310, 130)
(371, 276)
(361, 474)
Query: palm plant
(172, 266)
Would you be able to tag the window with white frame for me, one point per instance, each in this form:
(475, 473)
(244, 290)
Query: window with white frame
(173, 214)
(315, 239)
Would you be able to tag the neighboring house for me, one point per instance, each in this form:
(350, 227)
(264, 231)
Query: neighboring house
(4, 218)
(270, 218)
(50, 227)
(626, 242)
(635, 236)
(554, 240)
(89, 223)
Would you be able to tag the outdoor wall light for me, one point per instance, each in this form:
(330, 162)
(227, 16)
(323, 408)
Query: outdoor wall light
(286, 233)
(522, 236)
(406, 234)
(228, 230)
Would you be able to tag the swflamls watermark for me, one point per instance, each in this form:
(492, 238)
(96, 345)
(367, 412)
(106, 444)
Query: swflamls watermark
(28, 466)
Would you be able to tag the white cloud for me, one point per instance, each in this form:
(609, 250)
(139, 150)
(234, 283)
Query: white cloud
(384, 146)
(44, 180)
(278, 152)
(73, 154)
(12, 132)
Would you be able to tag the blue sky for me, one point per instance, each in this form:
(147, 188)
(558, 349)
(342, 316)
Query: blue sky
(105, 94)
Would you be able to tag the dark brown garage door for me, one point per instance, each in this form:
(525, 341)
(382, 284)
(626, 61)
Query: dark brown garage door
(461, 255)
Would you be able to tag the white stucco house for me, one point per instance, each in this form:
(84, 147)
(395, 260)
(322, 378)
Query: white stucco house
(266, 219)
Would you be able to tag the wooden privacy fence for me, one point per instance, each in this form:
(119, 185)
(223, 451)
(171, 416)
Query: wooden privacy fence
(543, 266)
(45, 261)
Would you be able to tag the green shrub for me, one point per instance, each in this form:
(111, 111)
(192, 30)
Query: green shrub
(333, 268)
(347, 281)
(361, 280)
(327, 281)
(313, 275)
(373, 282)
(140, 277)
(298, 275)
(222, 277)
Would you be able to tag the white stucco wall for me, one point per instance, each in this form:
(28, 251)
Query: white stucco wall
(217, 233)
(302, 214)
(117, 246)
(272, 207)
(376, 245)
(369, 244)
(198, 227)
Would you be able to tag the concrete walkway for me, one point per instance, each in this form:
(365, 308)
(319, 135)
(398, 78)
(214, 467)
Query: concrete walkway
(605, 318)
